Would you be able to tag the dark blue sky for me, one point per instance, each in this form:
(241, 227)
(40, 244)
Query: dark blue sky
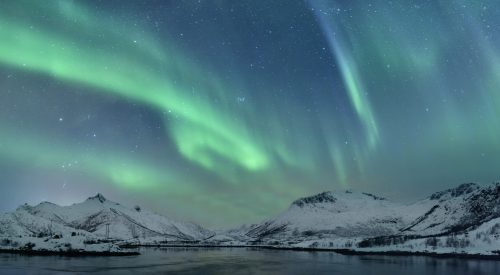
(226, 111)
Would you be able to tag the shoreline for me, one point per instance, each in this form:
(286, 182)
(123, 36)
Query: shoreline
(74, 253)
(420, 253)
(342, 251)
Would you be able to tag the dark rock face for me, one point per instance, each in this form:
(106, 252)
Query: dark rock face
(462, 189)
(377, 198)
(98, 197)
(319, 198)
(481, 206)
(266, 229)
(422, 218)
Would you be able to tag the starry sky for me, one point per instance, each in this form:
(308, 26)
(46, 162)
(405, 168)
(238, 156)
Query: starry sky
(223, 112)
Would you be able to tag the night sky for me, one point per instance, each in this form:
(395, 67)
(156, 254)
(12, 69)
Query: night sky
(224, 112)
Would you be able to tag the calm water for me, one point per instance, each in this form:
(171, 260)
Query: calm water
(242, 261)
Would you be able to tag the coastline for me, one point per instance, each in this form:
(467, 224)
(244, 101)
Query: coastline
(71, 253)
(342, 251)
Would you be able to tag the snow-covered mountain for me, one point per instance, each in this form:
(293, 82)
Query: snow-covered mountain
(364, 221)
(465, 219)
(351, 214)
(97, 217)
(339, 214)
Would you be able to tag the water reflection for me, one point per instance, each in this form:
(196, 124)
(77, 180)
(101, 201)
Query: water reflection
(243, 261)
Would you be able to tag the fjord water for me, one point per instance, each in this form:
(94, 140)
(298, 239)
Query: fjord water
(242, 261)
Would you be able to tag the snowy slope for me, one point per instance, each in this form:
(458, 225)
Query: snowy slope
(457, 209)
(483, 240)
(342, 214)
(22, 231)
(92, 216)
(23, 223)
(444, 222)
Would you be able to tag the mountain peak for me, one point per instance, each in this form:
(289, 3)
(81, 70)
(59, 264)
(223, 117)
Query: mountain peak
(331, 197)
(462, 189)
(98, 197)
(319, 198)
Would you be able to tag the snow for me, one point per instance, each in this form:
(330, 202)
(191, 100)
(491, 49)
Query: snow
(64, 244)
(461, 220)
(124, 223)
(465, 219)
(89, 226)
(485, 240)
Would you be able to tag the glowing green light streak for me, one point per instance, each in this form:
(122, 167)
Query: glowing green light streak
(352, 80)
(118, 169)
(201, 132)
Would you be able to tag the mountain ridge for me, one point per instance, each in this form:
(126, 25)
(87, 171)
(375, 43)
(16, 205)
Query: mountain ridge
(465, 218)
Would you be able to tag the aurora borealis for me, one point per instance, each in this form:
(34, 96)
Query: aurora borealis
(224, 112)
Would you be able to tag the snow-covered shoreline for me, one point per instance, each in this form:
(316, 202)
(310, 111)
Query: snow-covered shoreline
(69, 253)
(68, 246)
(343, 251)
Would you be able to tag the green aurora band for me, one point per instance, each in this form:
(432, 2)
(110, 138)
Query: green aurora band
(403, 84)
(202, 133)
(138, 68)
